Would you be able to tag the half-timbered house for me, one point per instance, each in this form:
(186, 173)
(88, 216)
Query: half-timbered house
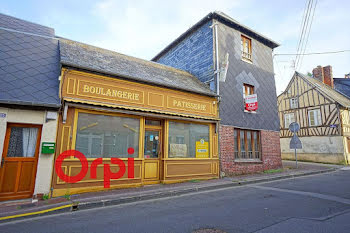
(323, 115)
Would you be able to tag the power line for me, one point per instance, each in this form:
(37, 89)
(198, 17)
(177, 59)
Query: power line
(300, 61)
(305, 20)
(314, 53)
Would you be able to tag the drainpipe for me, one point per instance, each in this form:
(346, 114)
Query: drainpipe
(215, 25)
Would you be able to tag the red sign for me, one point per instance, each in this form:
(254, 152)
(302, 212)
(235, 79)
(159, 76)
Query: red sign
(251, 102)
(108, 174)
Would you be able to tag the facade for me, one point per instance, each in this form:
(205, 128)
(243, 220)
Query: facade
(116, 106)
(249, 140)
(29, 102)
(323, 116)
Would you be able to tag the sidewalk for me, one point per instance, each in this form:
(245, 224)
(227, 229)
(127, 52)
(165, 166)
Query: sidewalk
(25, 208)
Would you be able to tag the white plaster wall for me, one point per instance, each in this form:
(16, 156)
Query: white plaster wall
(49, 129)
(316, 145)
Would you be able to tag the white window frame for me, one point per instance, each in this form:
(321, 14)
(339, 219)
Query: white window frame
(288, 119)
(316, 115)
(293, 102)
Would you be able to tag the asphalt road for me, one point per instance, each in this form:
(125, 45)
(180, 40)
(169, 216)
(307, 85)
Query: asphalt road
(319, 203)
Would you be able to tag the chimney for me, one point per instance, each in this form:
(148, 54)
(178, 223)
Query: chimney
(324, 74)
(328, 76)
(318, 73)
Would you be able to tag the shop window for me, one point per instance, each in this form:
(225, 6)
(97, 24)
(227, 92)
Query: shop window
(188, 140)
(246, 48)
(288, 119)
(246, 144)
(314, 117)
(107, 136)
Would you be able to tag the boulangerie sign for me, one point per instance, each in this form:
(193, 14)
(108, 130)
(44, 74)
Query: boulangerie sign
(251, 102)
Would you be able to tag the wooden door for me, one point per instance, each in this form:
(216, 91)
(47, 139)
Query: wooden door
(152, 155)
(19, 161)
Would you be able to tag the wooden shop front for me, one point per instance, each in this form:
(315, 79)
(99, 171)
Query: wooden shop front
(171, 134)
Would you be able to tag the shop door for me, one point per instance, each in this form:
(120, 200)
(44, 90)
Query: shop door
(19, 161)
(152, 155)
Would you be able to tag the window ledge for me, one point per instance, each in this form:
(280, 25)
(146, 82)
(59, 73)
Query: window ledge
(247, 161)
(247, 60)
(250, 111)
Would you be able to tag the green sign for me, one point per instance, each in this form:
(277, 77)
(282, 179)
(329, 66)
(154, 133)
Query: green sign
(48, 147)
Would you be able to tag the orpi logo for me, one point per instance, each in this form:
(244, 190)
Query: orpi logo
(107, 173)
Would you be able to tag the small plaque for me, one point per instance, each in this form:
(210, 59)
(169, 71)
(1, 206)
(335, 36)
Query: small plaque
(2, 115)
(48, 147)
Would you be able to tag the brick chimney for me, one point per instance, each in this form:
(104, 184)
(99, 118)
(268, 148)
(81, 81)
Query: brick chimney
(318, 73)
(324, 74)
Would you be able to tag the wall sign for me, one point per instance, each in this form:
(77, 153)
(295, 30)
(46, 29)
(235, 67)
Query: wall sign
(2, 115)
(251, 102)
(202, 149)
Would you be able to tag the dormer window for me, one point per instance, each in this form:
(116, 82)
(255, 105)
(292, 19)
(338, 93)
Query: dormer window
(246, 48)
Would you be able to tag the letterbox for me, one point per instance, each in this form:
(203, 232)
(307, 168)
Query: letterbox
(48, 147)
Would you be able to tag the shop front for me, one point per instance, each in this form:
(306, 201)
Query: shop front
(170, 134)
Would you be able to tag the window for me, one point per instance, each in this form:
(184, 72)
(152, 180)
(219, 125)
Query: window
(314, 117)
(107, 136)
(188, 140)
(22, 142)
(246, 144)
(294, 103)
(246, 48)
(288, 119)
(247, 90)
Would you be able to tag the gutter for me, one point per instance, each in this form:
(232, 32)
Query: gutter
(33, 104)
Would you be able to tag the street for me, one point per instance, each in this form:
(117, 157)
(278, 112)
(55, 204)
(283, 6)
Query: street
(318, 203)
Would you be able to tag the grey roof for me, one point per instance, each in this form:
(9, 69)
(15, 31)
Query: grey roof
(342, 85)
(222, 17)
(327, 90)
(29, 64)
(83, 56)
(13, 23)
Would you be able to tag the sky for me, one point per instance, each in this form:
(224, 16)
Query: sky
(142, 28)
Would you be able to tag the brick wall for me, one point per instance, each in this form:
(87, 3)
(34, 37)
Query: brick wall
(194, 54)
(270, 153)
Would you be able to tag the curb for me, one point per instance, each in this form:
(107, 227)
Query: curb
(151, 196)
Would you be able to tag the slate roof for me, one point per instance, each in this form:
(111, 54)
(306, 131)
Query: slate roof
(91, 58)
(29, 64)
(221, 17)
(327, 90)
(342, 85)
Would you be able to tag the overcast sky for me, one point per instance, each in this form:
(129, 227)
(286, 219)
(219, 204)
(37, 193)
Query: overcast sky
(143, 28)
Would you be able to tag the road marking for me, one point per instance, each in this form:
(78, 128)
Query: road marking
(35, 213)
(345, 169)
(310, 194)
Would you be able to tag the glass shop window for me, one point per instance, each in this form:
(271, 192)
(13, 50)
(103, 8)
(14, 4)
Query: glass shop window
(188, 140)
(107, 136)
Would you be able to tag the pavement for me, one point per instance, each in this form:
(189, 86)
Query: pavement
(22, 209)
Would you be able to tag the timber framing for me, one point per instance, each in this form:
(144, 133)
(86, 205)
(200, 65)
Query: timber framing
(311, 94)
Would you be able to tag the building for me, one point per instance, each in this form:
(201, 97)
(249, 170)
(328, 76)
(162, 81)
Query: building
(117, 106)
(236, 62)
(342, 85)
(29, 101)
(323, 116)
